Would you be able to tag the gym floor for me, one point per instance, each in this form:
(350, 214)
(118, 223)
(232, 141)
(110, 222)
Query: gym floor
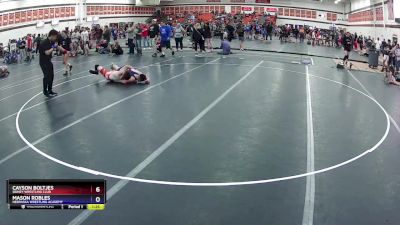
(248, 139)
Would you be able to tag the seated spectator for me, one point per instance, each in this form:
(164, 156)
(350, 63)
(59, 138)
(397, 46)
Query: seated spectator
(103, 47)
(116, 49)
(4, 71)
(226, 47)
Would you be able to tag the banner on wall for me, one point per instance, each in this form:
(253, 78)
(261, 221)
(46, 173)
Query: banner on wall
(247, 9)
(67, 12)
(23, 17)
(57, 13)
(5, 20)
(46, 13)
(396, 10)
(271, 9)
(29, 16)
(11, 18)
(41, 14)
(72, 11)
(51, 12)
(62, 11)
(17, 17)
(390, 10)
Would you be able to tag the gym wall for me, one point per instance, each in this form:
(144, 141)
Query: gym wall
(372, 18)
(18, 18)
(305, 12)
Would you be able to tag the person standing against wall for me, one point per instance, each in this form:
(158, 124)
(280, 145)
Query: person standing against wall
(46, 49)
(131, 45)
(138, 38)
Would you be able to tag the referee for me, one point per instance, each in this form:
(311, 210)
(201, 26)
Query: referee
(46, 49)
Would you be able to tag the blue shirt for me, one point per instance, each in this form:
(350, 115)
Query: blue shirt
(165, 32)
(226, 47)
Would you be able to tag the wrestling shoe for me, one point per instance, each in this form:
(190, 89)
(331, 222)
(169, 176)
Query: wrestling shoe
(162, 56)
(70, 67)
(173, 53)
(94, 72)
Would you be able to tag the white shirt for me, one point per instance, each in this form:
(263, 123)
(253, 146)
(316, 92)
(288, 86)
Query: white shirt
(75, 37)
(378, 44)
(85, 36)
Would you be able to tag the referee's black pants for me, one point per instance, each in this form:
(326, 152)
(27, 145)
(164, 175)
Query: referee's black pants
(48, 72)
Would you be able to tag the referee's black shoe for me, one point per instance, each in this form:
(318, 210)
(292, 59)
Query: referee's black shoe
(46, 94)
(51, 93)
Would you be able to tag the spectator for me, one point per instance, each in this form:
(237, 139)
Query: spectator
(116, 49)
(131, 36)
(145, 36)
(178, 35)
(207, 36)
(138, 38)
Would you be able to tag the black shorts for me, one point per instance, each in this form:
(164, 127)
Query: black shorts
(166, 44)
(29, 50)
(347, 48)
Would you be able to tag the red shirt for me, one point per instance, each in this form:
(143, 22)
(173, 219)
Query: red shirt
(29, 42)
(145, 31)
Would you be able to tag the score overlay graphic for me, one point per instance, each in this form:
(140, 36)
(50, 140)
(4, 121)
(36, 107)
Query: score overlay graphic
(56, 194)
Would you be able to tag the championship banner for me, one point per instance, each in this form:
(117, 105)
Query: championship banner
(72, 11)
(11, 18)
(308, 14)
(41, 14)
(390, 10)
(1, 20)
(35, 15)
(303, 13)
(17, 17)
(57, 13)
(29, 16)
(23, 17)
(94, 10)
(101, 10)
(292, 12)
(287, 12)
(52, 13)
(5, 19)
(298, 13)
(334, 17)
(67, 12)
(280, 11)
(46, 13)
